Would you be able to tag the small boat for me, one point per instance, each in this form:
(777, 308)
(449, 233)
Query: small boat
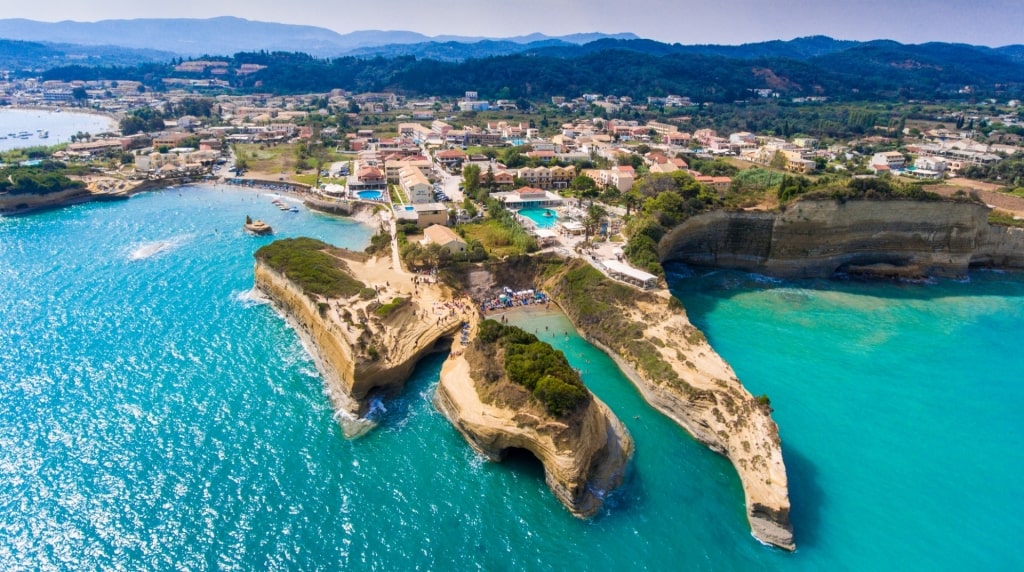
(257, 227)
(293, 209)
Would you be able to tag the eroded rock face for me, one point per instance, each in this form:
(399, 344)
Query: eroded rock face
(685, 379)
(818, 238)
(350, 376)
(584, 456)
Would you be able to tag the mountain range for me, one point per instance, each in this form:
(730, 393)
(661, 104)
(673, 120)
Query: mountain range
(228, 35)
(297, 59)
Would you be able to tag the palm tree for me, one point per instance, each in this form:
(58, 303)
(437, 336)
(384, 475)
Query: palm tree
(595, 214)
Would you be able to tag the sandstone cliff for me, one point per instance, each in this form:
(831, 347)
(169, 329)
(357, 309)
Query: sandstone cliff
(584, 456)
(819, 238)
(358, 360)
(677, 371)
(26, 203)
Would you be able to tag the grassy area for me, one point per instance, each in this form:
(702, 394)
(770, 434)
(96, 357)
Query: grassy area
(268, 159)
(480, 150)
(310, 179)
(499, 239)
(398, 195)
(386, 310)
(1003, 218)
(305, 262)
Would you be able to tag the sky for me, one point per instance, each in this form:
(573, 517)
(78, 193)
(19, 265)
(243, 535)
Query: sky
(983, 22)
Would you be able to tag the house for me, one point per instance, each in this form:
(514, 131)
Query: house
(929, 163)
(890, 159)
(444, 236)
(415, 185)
(368, 178)
(499, 178)
(450, 157)
(393, 164)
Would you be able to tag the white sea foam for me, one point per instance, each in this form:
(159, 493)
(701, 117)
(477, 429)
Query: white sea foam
(144, 250)
(249, 298)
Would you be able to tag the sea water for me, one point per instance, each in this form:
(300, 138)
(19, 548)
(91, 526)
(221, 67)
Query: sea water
(153, 415)
(898, 406)
(60, 127)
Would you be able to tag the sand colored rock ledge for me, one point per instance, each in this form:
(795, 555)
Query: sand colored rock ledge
(679, 374)
(819, 238)
(353, 374)
(584, 456)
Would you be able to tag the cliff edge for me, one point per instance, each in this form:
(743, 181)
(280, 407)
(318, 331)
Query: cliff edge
(670, 361)
(820, 238)
(362, 347)
(584, 449)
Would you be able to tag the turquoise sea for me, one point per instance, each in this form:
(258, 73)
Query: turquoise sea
(154, 416)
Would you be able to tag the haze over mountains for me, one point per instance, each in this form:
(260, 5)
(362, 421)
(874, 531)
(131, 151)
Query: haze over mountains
(228, 35)
(308, 58)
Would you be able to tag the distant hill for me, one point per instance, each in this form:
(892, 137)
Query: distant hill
(800, 49)
(18, 55)
(456, 51)
(875, 71)
(229, 35)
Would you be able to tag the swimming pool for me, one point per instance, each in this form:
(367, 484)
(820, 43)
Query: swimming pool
(370, 195)
(543, 218)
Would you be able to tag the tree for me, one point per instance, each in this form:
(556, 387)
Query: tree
(779, 161)
(631, 199)
(583, 187)
(471, 179)
(592, 222)
(79, 94)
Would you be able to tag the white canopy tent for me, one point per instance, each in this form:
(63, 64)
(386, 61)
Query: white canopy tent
(630, 274)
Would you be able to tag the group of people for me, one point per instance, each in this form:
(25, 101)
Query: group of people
(261, 185)
(512, 299)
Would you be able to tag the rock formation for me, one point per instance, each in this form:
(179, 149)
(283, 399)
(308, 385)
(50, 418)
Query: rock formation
(584, 454)
(670, 361)
(819, 238)
(359, 353)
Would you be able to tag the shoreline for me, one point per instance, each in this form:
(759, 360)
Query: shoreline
(62, 109)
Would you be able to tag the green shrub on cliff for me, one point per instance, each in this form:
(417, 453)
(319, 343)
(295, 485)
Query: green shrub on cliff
(536, 366)
(386, 310)
(593, 301)
(48, 177)
(305, 262)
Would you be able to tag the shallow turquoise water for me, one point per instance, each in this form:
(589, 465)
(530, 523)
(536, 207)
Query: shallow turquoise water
(152, 416)
(898, 408)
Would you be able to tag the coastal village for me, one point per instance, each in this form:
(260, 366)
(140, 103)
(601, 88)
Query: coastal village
(450, 184)
(385, 300)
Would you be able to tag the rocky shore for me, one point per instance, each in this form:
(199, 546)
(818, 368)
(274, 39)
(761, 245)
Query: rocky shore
(822, 238)
(669, 360)
(98, 190)
(584, 454)
(360, 353)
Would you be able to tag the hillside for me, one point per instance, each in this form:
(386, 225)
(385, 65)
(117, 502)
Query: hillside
(16, 54)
